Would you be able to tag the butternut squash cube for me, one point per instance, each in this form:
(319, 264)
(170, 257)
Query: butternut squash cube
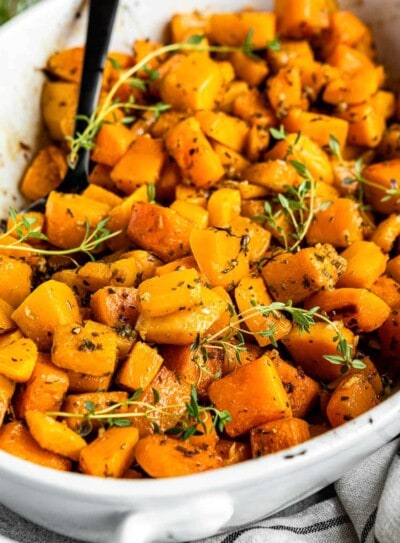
(360, 309)
(225, 129)
(229, 261)
(50, 305)
(18, 359)
(45, 389)
(304, 150)
(170, 393)
(15, 280)
(232, 28)
(83, 382)
(54, 436)
(258, 238)
(317, 126)
(67, 216)
(182, 326)
(89, 348)
(366, 124)
(196, 158)
(58, 102)
(223, 206)
(66, 64)
(383, 176)
(340, 224)
(302, 18)
(192, 84)
(170, 292)
(284, 90)
(353, 396)
(111, 454)
(278, 435)
(191, 211)
(274, 175)
(163, 456)
(160, 230)
(141, 164)
(356, 273)
(252, 70)
(115, 306)
(140, 368)
(45, 173)
(16, 439)
(295, 276)
(112, 142)
(253, 394)
(308, 349)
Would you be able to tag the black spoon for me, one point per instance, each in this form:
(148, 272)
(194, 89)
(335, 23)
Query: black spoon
(99, 28)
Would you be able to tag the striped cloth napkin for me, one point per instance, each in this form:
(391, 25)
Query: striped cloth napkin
(362, 507)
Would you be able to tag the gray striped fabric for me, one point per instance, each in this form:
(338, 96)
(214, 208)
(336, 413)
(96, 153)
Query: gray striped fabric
(362, 507)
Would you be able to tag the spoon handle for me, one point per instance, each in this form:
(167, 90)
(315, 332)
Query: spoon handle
(100, 24)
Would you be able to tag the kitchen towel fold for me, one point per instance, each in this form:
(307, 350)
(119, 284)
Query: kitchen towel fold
(362, 507)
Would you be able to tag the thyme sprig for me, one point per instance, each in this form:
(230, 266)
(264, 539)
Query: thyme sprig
(85, 139)
(232, 337)
(184, 425)
(298, 206)
(26, 228)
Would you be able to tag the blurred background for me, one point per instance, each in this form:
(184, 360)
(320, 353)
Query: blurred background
(9, 8)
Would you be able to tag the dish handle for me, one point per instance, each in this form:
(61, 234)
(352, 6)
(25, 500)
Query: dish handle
(197, 518)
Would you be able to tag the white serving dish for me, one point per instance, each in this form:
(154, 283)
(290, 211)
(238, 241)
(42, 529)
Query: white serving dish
(187, 508)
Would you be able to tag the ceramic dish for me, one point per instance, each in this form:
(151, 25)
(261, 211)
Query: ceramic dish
(190, 507)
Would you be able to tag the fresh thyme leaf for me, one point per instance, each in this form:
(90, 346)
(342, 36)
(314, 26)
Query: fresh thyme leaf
(156, 396)
(278, 134)
(334, 359)
(89, 406)
(189, 432)
(358, 167)
(247, 44)
(135, 396)
(174, 431)
(151, 192)
(358, 364)
(283, 201)
(300, 168)
(114, 63)
(334, 147)
(196, 39)
(120, 423)
(156, 427)
(137, 83)
(159, 108)
(274, 45)
(222, 417)
(152, 74)
(196, 343)
(128, 120)
(231, 310)
(193, 406)
(85, 428)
